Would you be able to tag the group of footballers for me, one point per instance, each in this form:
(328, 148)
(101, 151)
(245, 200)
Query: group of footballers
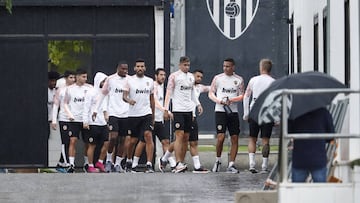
(123, 112)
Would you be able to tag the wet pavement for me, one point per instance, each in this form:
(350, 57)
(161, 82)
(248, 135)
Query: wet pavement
(128, 187)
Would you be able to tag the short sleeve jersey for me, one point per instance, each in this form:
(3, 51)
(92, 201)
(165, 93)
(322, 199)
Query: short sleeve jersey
(59, 101)
(199, 88)
(140, 90)
(225, 86)
(159, 96)
(255, 87)
(182, 85)
(75, 98)
(114, 87)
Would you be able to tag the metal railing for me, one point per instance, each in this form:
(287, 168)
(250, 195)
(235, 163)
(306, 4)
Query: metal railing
(283, 174)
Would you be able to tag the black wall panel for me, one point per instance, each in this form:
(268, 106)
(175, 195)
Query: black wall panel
(116, 33)
(23, 105)
(266, 36)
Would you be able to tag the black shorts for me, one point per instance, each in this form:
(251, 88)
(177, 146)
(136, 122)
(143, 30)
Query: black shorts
(227, 122)
(254, 128)
(119, 125)
(138, 125)
(183, 121)
(75, 128)
(98, 134)
(194, 133)
(64, 131)
(159, 131)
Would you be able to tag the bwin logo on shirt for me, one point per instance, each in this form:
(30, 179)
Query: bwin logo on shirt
(82, 99)
(232, 90)
(232, 17)
(118, 90)
(144, 91)
(182, 87)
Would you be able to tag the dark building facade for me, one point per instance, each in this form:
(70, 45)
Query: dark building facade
(109, 30)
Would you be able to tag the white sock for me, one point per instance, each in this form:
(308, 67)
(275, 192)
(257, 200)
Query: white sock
(264, 164)
(172, 161)
(72, 160)
(91, 165)
(231, 163)
(196, 161)
(135, 162)
(118, 160)
(86, 160)
(166, 156)
(129, 160)
(63, 153)
(252, 162)
(149, 163)
(101, 161)
(218, 159)
(109, 157)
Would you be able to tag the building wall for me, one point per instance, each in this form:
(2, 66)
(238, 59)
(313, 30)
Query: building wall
(304, 12)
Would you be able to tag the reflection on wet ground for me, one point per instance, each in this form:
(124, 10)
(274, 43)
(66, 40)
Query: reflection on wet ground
(140, 187)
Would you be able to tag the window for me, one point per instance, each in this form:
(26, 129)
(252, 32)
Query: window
(325, 41)
(298, 49)
(292, 69)
(316, 43)
(347, 43)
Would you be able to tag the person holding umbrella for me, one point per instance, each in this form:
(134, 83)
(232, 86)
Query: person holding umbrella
(306, 113)
(255, 87)
(309, 155)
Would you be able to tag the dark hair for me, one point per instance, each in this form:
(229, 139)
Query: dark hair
(157, 71)
(139, 60)
(198, 71)
(231, 60)
(80, 71)
(121, 62)
(53, 75)
(184, 59)
(67, 73)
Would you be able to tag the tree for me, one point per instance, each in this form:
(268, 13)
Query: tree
(8, 4)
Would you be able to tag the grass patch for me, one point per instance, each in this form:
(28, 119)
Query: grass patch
(242, 148)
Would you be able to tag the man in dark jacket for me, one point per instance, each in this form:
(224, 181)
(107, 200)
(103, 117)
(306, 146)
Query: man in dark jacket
(309, 155)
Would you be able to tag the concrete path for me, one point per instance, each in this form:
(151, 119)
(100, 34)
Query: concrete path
(128, 187)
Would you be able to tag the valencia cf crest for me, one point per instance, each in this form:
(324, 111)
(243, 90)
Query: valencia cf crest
(235, 82)
(232, 17)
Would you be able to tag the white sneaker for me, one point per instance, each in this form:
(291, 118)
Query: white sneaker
(180, 168)
(232, 169)
(264, 170)
(253, 170)
(216, 167)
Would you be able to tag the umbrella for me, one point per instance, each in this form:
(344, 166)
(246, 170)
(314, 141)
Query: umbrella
(267, 107)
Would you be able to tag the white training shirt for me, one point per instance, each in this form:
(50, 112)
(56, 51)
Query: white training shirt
(114, 87)
(227, 86)
(181, 86)
(74, 99)
(255, 87)
(159, 96)
(51, 95)
(140, 90)
(89, 105)
(59, 102)
(199, 88)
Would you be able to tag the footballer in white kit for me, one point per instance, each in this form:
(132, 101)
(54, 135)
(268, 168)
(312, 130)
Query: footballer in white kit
(74, 106)
(256, 86)
(226, 90)
(139, 93)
